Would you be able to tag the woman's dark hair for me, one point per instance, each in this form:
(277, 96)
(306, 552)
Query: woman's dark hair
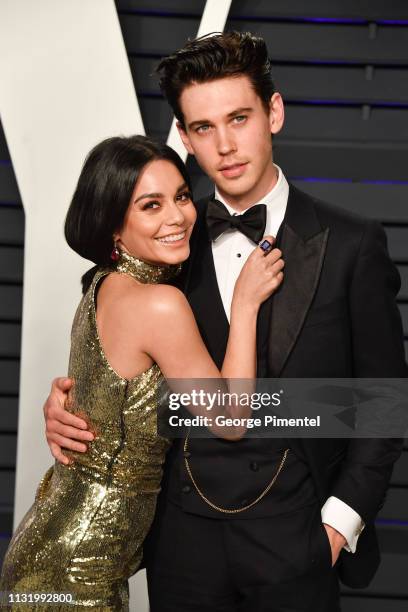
(215, 56)
(104, 190)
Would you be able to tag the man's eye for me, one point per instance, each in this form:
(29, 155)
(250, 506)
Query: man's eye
(240, 118)
(202, 128)
(150, 205)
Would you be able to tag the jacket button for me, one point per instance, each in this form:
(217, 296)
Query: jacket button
(187, 454)
(186, 489)
(254, 466)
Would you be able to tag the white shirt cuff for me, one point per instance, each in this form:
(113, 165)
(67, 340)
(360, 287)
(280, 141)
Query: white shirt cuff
(344, 519)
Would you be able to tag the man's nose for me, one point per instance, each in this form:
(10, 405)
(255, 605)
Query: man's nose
(225, 142)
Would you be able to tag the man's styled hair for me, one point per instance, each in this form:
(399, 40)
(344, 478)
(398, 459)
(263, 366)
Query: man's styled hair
(215, 56)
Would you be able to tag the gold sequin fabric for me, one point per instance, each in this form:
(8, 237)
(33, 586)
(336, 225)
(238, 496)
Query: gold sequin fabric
(84, 533)
(146, 272)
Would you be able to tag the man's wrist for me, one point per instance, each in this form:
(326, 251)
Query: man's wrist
(341, 517)
(336, 540)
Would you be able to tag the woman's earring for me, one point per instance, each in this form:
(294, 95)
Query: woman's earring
(115, 252)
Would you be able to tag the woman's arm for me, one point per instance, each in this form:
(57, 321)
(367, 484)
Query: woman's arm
(158, 321)
(259, 278)
(173, 341)
(171, 336)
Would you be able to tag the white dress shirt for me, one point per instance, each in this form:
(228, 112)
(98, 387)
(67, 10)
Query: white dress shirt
(230, 252)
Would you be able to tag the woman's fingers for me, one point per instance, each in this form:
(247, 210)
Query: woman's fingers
(277, 279)
(272, 263)
(277, 266)
(273, 256)
(264, 246)
(261, 274)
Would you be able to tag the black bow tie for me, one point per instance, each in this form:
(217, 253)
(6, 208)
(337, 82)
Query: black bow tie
(252, 223)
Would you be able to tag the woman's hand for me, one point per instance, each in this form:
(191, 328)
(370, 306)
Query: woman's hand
(260, 276)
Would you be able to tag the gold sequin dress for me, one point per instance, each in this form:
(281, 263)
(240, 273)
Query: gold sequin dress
(84, 533)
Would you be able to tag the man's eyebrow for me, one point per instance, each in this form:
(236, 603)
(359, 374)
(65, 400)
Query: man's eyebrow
(149, 195)
(198, 122)
(234, 113)
(239, 111)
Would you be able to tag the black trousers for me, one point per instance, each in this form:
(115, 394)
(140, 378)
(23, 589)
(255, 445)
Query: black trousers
(274, 564)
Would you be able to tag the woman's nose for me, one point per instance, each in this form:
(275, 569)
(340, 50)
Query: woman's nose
(175, 215)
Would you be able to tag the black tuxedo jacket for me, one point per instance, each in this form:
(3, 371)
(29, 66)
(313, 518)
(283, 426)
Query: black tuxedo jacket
(334, 315)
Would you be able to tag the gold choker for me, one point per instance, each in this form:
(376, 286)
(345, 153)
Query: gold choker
(145, 272)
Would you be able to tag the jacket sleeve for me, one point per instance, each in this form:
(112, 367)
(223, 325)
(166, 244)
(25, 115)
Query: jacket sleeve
(378, 352)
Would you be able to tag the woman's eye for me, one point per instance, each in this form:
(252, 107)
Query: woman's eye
(184, 197)
(150, 205)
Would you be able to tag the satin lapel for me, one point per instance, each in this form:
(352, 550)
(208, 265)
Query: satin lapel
(203, 293)
(303, 246)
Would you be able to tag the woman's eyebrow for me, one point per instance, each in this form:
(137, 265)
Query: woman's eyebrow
(149, 195)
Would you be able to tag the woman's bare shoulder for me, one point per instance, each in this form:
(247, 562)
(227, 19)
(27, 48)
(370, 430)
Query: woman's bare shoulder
(163, 298)
(124, 297)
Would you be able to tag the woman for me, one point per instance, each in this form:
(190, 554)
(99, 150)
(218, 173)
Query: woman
(131, 214)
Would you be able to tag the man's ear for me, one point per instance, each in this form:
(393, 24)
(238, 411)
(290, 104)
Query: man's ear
(276, 113)
(184, 137)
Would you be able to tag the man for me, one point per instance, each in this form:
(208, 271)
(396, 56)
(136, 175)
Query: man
(248, 526)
